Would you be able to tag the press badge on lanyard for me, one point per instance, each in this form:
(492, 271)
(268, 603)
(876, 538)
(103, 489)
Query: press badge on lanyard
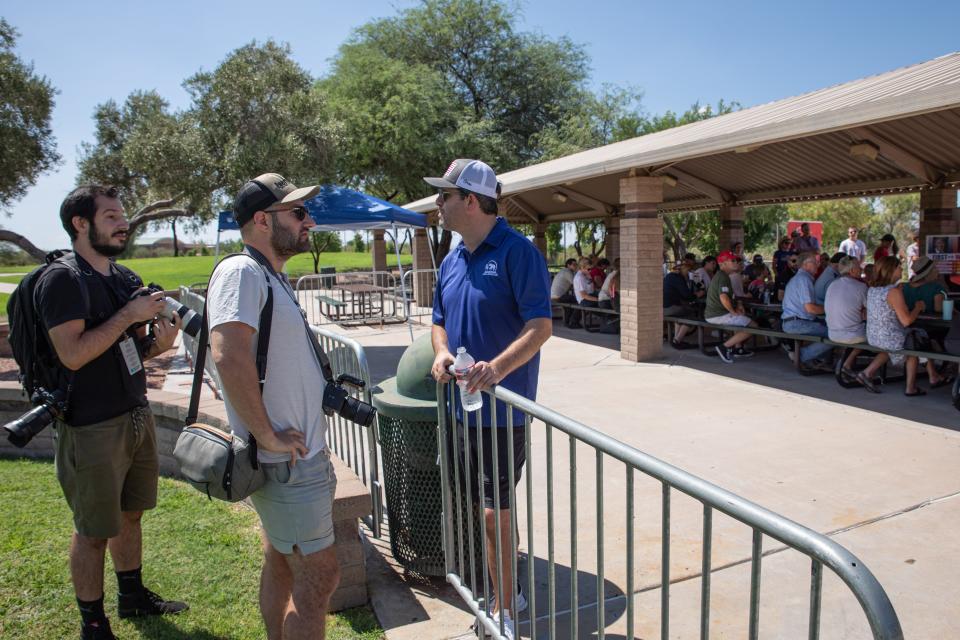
(130, 355)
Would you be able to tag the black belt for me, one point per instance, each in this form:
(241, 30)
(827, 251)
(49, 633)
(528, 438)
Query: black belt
(799, 318)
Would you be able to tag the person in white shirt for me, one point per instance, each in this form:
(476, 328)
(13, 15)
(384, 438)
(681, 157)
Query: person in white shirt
(845, 305)
(609, 293)
(702, 276)
(913, 254)
(853, 246)
(561, 289)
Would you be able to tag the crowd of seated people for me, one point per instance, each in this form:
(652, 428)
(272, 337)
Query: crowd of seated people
(837, 297)
(587, 282)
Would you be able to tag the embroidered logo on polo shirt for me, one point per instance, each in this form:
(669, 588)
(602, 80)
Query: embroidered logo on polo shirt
(491, 268)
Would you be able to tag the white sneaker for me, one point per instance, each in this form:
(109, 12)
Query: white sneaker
(509, 632)
(521, 601)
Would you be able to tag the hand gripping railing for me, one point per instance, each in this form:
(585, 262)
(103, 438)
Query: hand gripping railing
(461, 553)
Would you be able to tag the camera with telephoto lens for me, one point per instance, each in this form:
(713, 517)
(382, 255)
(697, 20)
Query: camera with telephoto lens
(50, 406)
(190, 319)
(337, 400)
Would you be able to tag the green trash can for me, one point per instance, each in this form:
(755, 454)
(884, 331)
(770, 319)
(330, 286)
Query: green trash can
(407, 413)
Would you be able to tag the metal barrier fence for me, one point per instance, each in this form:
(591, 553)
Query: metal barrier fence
(355, 445)
(356, 297)
(416, 280)
(461, 555)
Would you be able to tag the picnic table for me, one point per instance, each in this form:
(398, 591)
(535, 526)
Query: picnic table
(362, 298)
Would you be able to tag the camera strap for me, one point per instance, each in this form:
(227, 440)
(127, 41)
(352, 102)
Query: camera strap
(322, 358)
(263, 343)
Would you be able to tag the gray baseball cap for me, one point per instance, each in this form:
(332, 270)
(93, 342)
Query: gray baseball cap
(265, 191)
(472, 175)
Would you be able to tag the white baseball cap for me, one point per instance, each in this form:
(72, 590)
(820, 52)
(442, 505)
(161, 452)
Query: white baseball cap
(472, 175)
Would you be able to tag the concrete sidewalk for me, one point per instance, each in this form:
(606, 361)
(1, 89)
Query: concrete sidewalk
(877, 473)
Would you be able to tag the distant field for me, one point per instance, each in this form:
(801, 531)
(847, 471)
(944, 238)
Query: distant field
(170, 273)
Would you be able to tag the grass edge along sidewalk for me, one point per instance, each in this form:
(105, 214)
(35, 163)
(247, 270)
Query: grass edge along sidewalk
(186, 270)
(206, 553)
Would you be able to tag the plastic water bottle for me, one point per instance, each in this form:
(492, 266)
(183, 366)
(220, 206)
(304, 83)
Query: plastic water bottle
(461, 365)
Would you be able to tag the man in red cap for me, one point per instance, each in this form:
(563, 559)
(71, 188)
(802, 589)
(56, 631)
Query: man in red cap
(722, 310)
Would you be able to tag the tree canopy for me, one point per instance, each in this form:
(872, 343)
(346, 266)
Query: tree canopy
(26, 105)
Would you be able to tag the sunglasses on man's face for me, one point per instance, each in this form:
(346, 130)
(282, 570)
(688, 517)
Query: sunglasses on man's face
(300, 213)
(445, 195)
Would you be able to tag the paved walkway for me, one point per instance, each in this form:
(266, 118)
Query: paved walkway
(877, 473)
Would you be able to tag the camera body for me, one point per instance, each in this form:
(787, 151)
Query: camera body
(190, 319)
(49, 406)
(338, 400)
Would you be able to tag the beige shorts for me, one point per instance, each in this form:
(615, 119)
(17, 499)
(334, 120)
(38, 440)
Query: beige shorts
(107, 468)
(296, 504)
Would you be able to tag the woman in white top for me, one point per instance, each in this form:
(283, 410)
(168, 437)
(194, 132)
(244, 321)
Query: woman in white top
(610, 290)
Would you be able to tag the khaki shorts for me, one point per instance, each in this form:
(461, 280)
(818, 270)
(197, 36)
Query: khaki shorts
(296, 504)
(107, 468)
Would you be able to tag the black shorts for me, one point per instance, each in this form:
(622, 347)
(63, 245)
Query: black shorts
(503, 460)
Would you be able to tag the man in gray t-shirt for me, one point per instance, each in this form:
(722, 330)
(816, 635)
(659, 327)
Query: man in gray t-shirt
(845, 305)
(295, 504)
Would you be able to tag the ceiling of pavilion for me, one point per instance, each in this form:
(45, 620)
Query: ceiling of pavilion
(894, 132)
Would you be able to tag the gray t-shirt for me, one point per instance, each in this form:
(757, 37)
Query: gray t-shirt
(844, 304)
(293, 391)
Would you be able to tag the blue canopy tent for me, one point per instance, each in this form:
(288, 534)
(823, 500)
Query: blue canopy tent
(338, 209)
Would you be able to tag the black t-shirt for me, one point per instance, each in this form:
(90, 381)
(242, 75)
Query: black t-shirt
(676, 291)
(103, 388)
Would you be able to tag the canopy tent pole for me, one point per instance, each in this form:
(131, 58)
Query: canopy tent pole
(216, 252)
(403, 286)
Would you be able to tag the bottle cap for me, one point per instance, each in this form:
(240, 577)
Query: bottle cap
(461, 349)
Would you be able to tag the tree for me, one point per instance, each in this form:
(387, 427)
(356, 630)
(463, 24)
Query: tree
(358, 245)
(26, 104)
(446, 79)
(257, 104)
(322, 241)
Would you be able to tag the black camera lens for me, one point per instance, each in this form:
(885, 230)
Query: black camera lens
(357, 411)
(23, 429)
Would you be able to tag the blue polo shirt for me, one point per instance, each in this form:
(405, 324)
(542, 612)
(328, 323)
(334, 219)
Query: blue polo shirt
(799, 291)
(483, 300)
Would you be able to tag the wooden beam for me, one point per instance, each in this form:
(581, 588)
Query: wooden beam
(706, 188)
(571, 216)
(597, 205)
(525, 208)
(899, 156)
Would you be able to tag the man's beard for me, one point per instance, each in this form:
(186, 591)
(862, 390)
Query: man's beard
(100, 244)
(284, 242)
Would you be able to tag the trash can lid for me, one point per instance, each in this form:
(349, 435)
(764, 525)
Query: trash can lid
(414, 379)
(391, 403)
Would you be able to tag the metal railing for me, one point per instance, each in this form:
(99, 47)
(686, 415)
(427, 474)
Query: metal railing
(347, 298)
(461, 553)
(418, 279)
(355, 445)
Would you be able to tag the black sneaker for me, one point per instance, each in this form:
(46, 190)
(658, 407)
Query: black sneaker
(97, 631)
(740, 352)
(147, 603)
(725, 353)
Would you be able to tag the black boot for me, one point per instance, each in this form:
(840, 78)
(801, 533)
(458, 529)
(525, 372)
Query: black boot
(97, 631)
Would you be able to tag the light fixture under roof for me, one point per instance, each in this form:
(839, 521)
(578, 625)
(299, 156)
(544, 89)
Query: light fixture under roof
(559, 197)
(865, 150)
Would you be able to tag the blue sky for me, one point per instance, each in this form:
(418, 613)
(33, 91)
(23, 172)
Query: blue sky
(676, 53)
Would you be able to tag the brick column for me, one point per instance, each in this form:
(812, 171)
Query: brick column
(939, 215)
(379, 255)
(731, 226)
(540, 239)
(612, 249)
(641, 271)
(423, 281)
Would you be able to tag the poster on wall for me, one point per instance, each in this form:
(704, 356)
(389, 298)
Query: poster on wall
(945, 253)
(816, 229)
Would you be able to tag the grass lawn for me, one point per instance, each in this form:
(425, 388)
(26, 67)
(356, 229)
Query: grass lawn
(173, 272)
(205, 553)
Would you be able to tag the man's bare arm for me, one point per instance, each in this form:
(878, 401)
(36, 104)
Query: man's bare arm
(442, 356)
(230, 347)
(534, 333)
(76, 346)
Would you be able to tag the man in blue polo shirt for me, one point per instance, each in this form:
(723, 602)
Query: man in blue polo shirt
(801, 312)
(492, 297)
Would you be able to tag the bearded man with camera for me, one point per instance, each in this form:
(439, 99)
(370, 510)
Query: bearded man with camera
(283, 410)
(96, 313)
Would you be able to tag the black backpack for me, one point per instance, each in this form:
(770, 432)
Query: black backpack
(38, 362)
